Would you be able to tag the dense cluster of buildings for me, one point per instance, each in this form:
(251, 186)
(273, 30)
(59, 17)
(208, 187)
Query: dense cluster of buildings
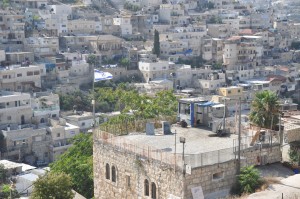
(216, 52)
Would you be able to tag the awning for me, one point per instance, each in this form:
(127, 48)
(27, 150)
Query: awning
(218, 105)
(206, 104)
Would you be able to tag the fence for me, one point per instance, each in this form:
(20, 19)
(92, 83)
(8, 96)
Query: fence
(120, 143)
(124, 125)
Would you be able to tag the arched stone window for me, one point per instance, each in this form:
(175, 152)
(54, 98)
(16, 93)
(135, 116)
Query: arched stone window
(153, 190)
(113, 174)
(107, 171)
(146, 187)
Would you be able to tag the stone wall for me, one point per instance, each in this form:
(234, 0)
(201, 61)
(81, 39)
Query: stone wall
(293, 135)
(128, 165)
(257, 156)
(217, 178)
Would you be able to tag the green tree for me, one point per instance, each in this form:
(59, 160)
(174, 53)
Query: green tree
(78, 99)
(5, 4)
(294, 156)
(249, 179)
(2, 174)
(92, 60)
(77, 162)
(264, 109)
(6, 192)
(156, 44)
(53, 185)
(124, 62)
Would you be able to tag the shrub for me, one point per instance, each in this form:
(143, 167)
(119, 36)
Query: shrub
(249, 179)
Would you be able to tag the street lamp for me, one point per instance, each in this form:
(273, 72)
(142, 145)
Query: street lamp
(182, 140)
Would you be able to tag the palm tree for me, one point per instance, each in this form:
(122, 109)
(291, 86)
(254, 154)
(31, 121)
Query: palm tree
(265, 109)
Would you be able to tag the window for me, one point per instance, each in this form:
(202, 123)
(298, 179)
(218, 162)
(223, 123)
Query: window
(128, 180)
(58, 135)
(30, 73)
(229, 92)
(113, 174)
(19, 75)
(83, 124)
(107, 171)
(218, 176)
(4, 76)
(153, 190)
(36, 72)
(146, 187)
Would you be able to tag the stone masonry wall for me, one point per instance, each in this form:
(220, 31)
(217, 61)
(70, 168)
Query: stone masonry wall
(255, 155)
(127, 164)
(293, 135)
(204, 177)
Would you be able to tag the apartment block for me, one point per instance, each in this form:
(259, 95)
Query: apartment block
(22, 78)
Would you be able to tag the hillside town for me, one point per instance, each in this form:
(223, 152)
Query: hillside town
(160, 99)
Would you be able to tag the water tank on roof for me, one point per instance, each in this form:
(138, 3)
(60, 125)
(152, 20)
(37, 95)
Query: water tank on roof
(150, 128)
(166, 128)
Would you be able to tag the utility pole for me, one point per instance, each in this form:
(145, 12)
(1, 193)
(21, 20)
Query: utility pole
(239, 138)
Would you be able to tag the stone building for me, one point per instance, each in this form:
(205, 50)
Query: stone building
(151, 165)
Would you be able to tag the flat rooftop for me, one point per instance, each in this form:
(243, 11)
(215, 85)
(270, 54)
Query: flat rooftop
(197, 140)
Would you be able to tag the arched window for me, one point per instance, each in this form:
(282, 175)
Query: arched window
(146, 187)
(107, 171)
(113, 173)
(153, 190)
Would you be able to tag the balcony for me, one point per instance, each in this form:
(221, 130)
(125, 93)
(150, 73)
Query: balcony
(46, 109)
(62, 145)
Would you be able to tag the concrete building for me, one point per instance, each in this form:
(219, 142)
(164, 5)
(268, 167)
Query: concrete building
(61, 132)
(42, 46)
(125, 25)
(44, 105)
(209, 83)
(15, 109)
(13, 58)
(153, 70)
(12, 34)
(26, 144)
(84, 120)
(242, 50)
(21, 77)
(108, 45)
(81, 26)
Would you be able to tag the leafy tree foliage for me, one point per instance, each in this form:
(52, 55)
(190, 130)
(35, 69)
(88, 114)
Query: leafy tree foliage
(53, 185)
(294, 155)
(92, 59)
(214, 20)
(131, 7)
(156, 44)
(249, 179)
(77, 162)
(265, 109)
(193, 61)
(124, 62)
(77, 99)
(5, 192)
